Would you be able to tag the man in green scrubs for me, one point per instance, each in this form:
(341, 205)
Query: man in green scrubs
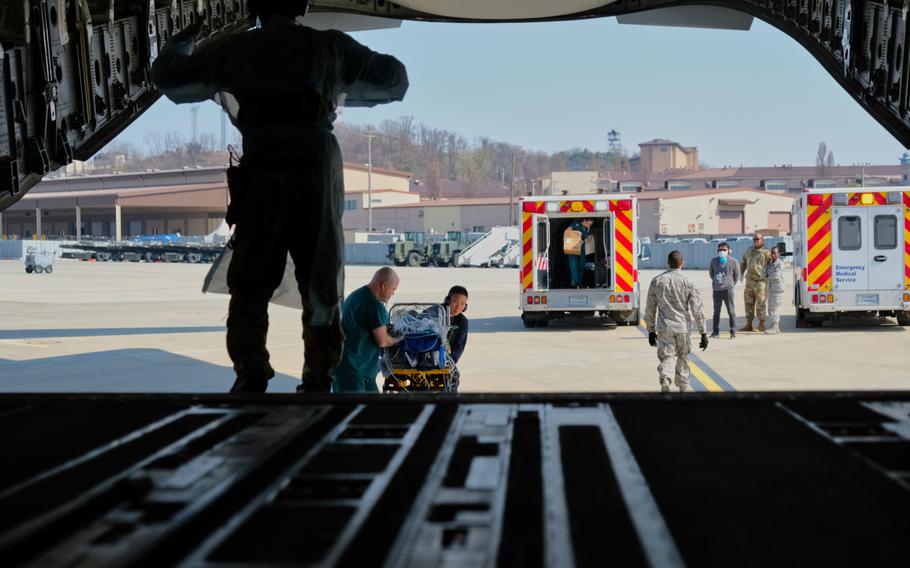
(364, 318)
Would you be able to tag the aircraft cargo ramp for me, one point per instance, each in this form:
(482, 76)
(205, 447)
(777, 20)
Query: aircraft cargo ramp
(589, 480)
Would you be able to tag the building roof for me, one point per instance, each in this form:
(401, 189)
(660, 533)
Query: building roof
(385, 190)
(683, 193)
(383, 171)
(120, 192)
(659, 142)
(453, 202)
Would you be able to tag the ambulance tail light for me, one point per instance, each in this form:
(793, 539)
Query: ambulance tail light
(816, 199)
(536, 299)
(814, 298)
(830, 298)
(612, 299)
(626, 298)
(822, 298)
(635, 275)
(543, 300)
(530, 299)
(907, 297)
(805, 274)
(624, 205)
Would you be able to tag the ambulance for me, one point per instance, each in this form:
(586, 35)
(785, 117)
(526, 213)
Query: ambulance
(851, 254)
(610, 288)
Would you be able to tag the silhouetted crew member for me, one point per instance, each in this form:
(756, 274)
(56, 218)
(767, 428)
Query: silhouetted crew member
(280, 84)
(673, 300)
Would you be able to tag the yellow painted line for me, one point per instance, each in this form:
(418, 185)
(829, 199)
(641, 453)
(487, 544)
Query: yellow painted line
(698, 372)
(704, 378)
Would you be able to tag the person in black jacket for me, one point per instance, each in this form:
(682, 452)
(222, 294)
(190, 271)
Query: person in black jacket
(457, 302)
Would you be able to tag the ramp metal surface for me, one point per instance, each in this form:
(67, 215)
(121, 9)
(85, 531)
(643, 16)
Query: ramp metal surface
(583, 480)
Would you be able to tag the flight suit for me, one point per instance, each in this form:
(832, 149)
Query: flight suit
(755, 295)
(280, 84)
(775, 278)
(672, 297)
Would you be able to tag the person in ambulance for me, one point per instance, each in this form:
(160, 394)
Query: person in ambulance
(574, 239)
(280, 83)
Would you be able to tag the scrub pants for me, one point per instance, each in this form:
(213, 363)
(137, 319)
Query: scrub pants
(355, 384)
(577, 268)
(673, 351)
(294, 208)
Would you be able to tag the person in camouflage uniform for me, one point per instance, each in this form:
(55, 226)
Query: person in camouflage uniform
(775, 277)
(753, 269)
(672, 297)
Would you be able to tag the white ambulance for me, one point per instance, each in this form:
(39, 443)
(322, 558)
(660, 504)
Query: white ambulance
(610, 287)
(851, 254)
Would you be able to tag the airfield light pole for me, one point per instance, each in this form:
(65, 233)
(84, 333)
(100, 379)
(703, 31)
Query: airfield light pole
(370, 135)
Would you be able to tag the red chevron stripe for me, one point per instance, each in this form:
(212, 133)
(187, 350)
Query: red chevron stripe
(622, 285)
(907, 200)
(625, 219)
(621, 239)
(819, 211)
(813, 240)
(824, 254)
(624, 262)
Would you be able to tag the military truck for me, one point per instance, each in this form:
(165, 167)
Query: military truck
(410, 250)
(445, 251)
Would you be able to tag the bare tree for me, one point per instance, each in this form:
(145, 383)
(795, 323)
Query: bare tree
(820, 159)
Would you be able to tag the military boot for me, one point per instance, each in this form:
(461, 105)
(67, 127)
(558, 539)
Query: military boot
(747, 327)
(761, 325)
(322, 351)
(773, 330)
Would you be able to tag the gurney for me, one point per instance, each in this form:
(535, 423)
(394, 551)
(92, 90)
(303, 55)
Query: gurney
(421, 362)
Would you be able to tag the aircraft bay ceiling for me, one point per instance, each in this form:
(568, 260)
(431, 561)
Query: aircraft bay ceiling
(74, 73)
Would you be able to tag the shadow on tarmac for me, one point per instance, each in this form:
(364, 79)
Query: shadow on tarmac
(124, 370)
(501, 324)
(103, 331)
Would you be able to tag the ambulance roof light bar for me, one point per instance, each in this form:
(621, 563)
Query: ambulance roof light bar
(867, 199)
(840, 198)
(894, 198)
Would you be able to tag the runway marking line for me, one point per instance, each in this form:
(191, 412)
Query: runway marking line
(705, 378)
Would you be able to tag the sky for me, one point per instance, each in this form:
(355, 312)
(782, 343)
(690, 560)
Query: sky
(752, 98)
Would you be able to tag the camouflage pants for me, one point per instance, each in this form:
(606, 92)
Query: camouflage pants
(673, 351)
(775, 300)
(756, 299)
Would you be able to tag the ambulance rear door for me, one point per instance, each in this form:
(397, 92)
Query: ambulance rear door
(886, 254)
(850, 248)
(541, 253)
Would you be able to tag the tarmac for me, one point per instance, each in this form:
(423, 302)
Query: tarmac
(137, 327)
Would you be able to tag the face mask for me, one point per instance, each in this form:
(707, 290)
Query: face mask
(723, 255)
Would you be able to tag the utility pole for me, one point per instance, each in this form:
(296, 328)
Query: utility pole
(370, 135)
(195, 110)
(512, 194)
(223, 129)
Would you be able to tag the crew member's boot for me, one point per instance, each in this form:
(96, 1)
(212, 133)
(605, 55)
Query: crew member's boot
(761, 325)
(322, 351)
(732, 334)
(748, 326)
(773, 330)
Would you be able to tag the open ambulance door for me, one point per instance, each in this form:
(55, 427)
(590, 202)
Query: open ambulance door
(541, 253)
